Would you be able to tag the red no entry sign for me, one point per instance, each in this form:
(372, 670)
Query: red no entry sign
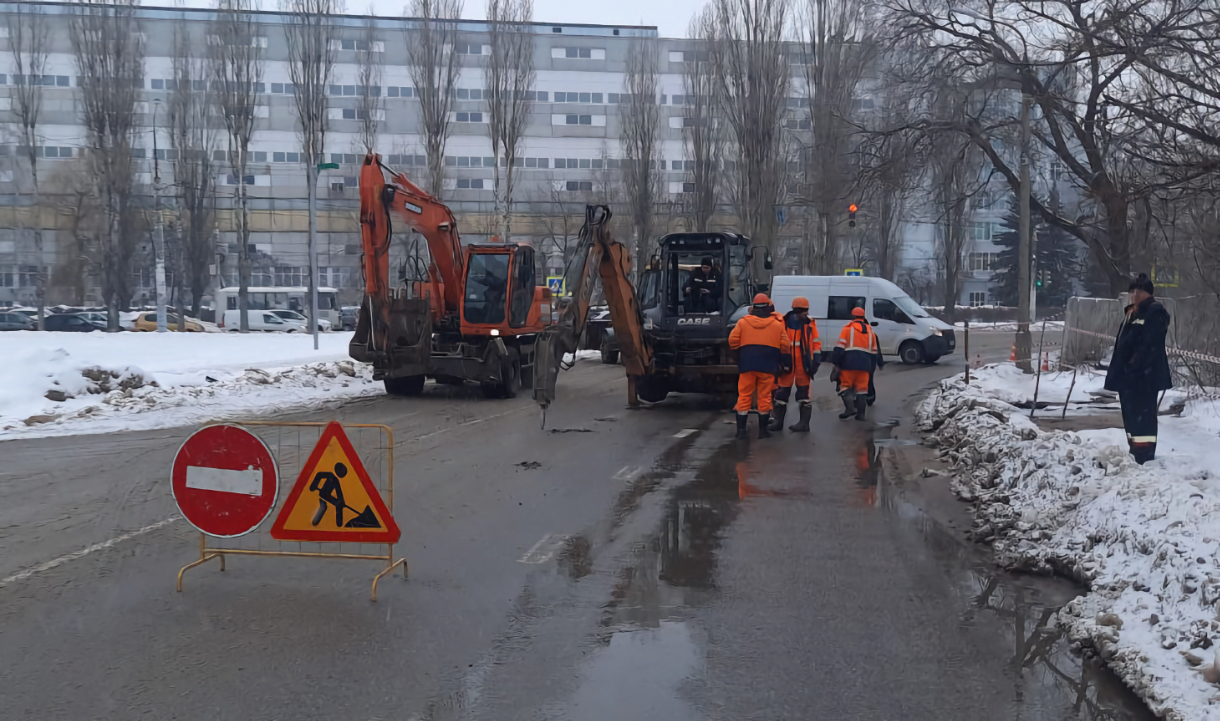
(224, 481)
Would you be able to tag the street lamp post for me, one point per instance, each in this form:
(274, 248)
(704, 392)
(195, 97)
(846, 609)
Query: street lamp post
(159, 231)
(1024, 317)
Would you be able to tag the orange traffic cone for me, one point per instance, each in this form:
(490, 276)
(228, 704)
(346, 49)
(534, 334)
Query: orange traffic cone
(1046, 361)
(1012, 357)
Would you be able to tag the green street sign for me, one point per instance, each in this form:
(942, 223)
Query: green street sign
(328, 166)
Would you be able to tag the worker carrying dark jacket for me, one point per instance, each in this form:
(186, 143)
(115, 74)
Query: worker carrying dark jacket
(856, 356)
(1139, 368)
(763, 351)
(806, 357)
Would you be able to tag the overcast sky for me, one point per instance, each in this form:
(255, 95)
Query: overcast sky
(670, 17)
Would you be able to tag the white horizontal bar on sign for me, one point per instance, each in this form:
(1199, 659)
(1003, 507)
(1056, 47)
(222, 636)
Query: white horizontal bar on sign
(249, 482)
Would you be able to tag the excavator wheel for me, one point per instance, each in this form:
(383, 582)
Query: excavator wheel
(405, 386)
(510, 374)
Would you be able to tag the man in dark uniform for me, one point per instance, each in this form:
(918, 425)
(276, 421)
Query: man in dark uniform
(704, 288)
(1139, 369)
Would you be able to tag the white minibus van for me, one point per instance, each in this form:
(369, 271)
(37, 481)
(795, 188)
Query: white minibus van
(903, 328)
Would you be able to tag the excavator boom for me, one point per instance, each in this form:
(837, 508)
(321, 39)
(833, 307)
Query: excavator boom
(425, 214)
(598, 256)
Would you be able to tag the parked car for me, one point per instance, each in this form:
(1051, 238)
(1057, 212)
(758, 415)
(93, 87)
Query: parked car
(101, 320)
(16, 321)
(27, 312)
(349, 314)
(68, 323)
(263, 320)
(291, 316)
(148, 322)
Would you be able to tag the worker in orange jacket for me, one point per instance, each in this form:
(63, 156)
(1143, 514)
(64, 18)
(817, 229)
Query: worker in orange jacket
(763, 351)
(806, 357)
(855, 357)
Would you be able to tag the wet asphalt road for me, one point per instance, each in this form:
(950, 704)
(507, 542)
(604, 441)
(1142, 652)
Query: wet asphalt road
(650, 568)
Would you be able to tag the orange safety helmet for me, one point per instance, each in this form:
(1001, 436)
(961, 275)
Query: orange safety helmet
(762, 299)
(799, 303)
(857, 312)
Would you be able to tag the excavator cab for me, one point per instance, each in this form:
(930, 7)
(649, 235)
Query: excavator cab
(500, 290)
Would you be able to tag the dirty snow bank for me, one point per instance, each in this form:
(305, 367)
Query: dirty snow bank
(1144, 540)
(69, 383)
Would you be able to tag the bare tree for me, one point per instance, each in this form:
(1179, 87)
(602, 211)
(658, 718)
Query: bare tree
(839, 46)
(27, 38)
(311, 37)
(640, 121)
(433, 63)
(704, 137)
(194, 137)
(508, 78)
(1062, 58)
(109, 54)
(889, 164)
(753, 69)
(237, 67)
(369, 57)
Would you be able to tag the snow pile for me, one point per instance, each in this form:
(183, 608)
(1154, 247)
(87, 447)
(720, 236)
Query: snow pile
(65, 383)
(582, 355)
(1144, 540)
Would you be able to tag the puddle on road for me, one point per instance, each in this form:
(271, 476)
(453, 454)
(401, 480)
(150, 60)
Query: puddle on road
(647, 644)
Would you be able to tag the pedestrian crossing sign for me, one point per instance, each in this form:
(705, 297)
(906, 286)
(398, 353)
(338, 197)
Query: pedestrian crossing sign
(854, 272)
(555, 283)
(334, 499)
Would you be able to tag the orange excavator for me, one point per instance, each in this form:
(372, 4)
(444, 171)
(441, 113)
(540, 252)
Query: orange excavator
(475, 314)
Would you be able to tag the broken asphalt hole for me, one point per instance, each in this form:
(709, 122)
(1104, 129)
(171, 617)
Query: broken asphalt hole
(529, 465)
(571, 430)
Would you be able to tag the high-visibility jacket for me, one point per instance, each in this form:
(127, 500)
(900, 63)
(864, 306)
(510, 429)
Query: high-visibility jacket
(806, 345)
(761, 344)
(857, 349)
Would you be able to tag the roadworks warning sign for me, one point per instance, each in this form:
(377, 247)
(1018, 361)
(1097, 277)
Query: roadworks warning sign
(334, 500)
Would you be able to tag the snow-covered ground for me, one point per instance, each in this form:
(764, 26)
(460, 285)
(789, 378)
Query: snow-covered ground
(1145, 540)
(134, 381)
(1011, 326)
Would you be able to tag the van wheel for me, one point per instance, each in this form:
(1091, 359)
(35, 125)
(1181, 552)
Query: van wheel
(930, 360)
(405, 386)
(911, 352)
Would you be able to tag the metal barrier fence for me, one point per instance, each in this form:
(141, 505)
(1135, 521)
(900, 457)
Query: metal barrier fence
(291, 445)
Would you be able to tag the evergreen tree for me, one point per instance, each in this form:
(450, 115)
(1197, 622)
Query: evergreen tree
(1004, 270)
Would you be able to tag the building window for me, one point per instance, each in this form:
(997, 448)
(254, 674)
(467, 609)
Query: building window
(470, 183)
(469, 117)
(468, 48)
(541, 96)
(408, 160)
(862, 104)
(289, 276)
(983, 261)
(790, 123)
(469, 94)
(983, 231)
(580, 185)
(399, 91)
(978, 298)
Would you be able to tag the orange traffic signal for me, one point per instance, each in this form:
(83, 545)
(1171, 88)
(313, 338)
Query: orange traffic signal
(851, 215)
(851, 208)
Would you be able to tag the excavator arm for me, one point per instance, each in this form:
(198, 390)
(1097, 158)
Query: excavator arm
(380, 202)
(598, 256)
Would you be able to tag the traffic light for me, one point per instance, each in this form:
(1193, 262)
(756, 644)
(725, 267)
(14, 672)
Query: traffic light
(851, 215)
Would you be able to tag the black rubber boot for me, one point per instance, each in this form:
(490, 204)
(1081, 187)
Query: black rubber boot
(861, 406)
(764, 420)
(802, 426)
(849, 404)
(742, 419)
(777, 417)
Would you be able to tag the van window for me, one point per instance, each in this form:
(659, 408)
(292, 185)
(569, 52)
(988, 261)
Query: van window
(886, 310)
(840, 306)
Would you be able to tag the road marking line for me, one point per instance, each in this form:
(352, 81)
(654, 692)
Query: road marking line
(685, 432)
(460, 425)
(627, 473)
(22, 575)
(542, 551)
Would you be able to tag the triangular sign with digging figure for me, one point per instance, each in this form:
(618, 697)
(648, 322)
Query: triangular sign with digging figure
(334, 500)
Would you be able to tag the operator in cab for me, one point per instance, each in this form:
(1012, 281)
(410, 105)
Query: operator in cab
(763, 352)
(855, 357)
(705, 288)
(806, 357)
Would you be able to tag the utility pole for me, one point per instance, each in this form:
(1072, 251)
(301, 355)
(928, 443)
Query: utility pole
(159, 230)
(311, 178)
(1023, 340)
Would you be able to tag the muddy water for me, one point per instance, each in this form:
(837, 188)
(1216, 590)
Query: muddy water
(653, 652)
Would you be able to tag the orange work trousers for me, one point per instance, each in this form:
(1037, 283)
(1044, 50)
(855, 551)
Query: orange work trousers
(751, 382)
(797, 376)
(854, 379)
